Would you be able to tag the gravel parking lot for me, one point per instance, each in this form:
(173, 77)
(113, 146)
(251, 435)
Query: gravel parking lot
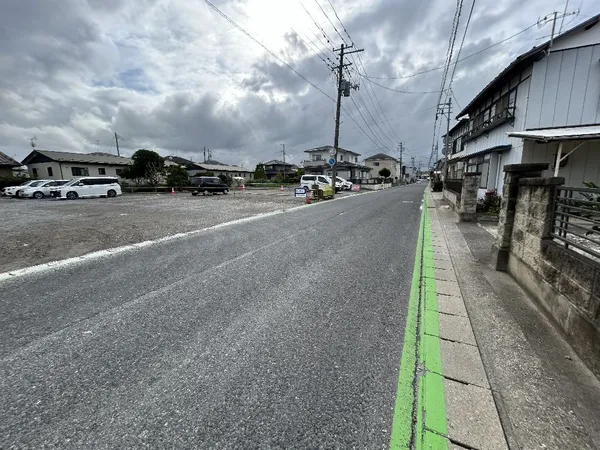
(37, 231)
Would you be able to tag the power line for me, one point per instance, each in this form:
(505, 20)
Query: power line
(317, 25)
(457, 102)
(367, 123)
(397, 90)
(267, 50)
(461, 46)
(433, 69)
(336, 30)
(340, 21)
(316, 50)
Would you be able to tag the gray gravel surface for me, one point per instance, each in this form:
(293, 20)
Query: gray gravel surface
(284, 332)
(38, 231)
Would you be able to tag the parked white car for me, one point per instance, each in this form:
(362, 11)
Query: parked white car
(344, 184)
(85, 187)
(41, 190)
(321, 180)
(13, 191)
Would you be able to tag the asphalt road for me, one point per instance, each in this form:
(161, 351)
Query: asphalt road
(283, 332)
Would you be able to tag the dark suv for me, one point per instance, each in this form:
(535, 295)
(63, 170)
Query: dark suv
(209, 186)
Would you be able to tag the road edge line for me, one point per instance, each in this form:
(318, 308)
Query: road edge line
(401, 436)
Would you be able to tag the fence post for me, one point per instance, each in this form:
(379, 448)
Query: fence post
(512, 174)
(468, 197)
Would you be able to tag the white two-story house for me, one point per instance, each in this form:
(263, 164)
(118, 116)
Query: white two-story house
(546, 102)
(347, 165)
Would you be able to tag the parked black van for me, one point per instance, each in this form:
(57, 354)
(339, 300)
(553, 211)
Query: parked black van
(209, 186)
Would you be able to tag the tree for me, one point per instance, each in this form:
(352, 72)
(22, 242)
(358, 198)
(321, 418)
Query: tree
(226, 179)
(259, 172)
(147, 165)
(300, 172)
(177, 176)
(385, 172)
(132, 174)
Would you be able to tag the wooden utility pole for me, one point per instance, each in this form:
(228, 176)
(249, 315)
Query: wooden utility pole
(117, 142)
(401, 150)
(341, 85)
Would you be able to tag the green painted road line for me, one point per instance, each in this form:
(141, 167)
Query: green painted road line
(433, 406)
(419, 380)
(402, 425)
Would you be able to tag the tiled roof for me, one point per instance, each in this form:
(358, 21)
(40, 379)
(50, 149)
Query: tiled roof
(89, 158)
(380, 156)
(327, 148)
(6, 160)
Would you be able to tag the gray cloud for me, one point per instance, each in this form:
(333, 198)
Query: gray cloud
(176, 77)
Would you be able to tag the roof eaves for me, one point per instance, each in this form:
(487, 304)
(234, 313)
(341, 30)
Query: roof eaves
(521, 59)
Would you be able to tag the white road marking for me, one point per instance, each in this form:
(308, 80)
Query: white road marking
(69, 262)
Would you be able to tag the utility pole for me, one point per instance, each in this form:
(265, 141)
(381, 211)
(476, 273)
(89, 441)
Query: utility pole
(117, 142)
(401, 150)
(283, 152)
(341, 89)
(446, 109)
(204, 154)
(412, 165)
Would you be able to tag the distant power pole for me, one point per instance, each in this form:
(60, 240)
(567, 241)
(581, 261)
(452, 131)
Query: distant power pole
(117, 142)
(204, 154)
(343, 87)
(446, 109)
(401, 150)
(283, 153)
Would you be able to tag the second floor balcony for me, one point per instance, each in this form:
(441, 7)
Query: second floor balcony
(488, 123)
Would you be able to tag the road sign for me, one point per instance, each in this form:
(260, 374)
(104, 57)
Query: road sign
(332, 162)
(300, 192)
(332, 151)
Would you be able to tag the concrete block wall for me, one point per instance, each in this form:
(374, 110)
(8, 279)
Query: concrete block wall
(564, 283)
(452, 198)
(467, 211)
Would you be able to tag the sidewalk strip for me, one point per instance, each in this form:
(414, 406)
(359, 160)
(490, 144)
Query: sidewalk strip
(420, 415)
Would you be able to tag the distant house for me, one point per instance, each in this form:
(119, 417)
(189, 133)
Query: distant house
(383, 161)
(51, 165)
(197, 169)
(543, 107)
(275, 167)
(347, 165)
(8, 165)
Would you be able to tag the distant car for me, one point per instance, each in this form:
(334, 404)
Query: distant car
(209, 186)
(320, 180)
(344, 184)
(89, 187)
(41, 190)
(13, 191)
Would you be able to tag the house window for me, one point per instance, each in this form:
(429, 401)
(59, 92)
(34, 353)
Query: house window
(480, 164)
(101, 171)
(376, 164)
(341, 157)
(34, 172)
(50, 171)
(80, 171)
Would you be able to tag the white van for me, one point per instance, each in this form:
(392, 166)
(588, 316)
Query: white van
(89, 187)
(310, 180)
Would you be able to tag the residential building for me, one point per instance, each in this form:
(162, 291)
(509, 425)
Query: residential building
(544, 103)
(383, 161)
(196, 169)
(276, 167)
(347, 165)
(8, 165)
(53, 165)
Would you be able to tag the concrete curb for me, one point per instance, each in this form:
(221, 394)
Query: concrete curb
(471, 412)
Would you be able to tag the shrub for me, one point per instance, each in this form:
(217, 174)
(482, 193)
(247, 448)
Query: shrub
(490, 203)
(438, 186)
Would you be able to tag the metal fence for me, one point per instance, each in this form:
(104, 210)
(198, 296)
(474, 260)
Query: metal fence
(454, 186)
(577, 219)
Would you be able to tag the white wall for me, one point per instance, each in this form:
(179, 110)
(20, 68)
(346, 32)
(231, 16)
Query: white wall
(62, 171)
(583, 164)
(578, 39)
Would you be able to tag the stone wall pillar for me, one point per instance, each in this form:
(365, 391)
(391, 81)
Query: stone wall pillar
(468, 197)
(512, 174)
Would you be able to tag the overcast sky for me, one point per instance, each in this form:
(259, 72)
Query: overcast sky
(174, 76)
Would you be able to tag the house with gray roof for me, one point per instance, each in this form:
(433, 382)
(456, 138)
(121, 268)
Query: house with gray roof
(7, 165)
(52, 165)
